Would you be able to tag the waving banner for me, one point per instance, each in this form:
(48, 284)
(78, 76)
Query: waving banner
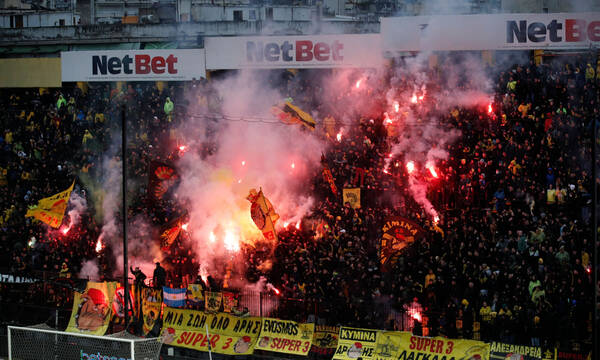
(227, 334)
(285, 336)
(92, 309)
(354, 343)
(404, 346)
(51, 210)
(398, 233)
(263, 214)
(325, 340)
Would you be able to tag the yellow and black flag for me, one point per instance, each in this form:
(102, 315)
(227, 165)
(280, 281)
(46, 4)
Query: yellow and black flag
(291, 114)
(171, 231)
(398, 233)
(263, 214)
(51, 210)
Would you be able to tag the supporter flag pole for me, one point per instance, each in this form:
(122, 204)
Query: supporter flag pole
(595, 218)
(124, 190)
(208, 340)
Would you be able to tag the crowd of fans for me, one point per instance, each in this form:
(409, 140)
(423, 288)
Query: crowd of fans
(512, 251)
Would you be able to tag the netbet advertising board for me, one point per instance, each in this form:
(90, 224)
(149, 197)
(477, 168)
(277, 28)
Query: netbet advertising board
(310, 51)
(491, 32)
(133, 65)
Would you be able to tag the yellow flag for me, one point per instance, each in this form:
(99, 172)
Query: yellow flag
(263, 214)
(352, 196)
(52, 209)
(291, 114)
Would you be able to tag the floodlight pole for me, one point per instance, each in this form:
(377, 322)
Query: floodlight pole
(126, 298)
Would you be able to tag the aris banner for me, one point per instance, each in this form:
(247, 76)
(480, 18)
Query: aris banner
(404, 346)
(227, 334)
(354, 343)
(285, 336)
(325, 340)
(508, 351)
(92, 309)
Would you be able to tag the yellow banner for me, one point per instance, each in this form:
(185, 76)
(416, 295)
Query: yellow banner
(230, 301)
(352, 196)
(151, 306)
(354, 343)
(194, 293)
(325, 339)
(404, 346)
(51, 210)
(227, 334)
(285, 336)
(92, 310)
(213, 301)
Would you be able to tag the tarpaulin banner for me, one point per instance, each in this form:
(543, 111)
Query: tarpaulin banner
(285, 336)
(306, 51)
(404, 346)
(354, 343)
(508, 351)
(352, 196)
(325, 339)
(213, 301)
(133, 65)
(227, 334)
(291, 114)
(151, 307)
(51, 210)
(490, 32)
(92, 309)
(118, 304)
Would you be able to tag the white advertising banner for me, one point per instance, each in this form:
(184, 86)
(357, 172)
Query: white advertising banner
(133, 65)
(491, 32)
(310, 51)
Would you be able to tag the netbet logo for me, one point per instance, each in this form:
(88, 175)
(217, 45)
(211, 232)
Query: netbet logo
(98, 356)
(573, 30)
(143, 64)
(300, 50)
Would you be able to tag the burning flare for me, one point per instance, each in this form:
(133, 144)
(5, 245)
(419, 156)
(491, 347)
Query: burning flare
(413, 99)
(99, 245)
(396, 106)
(415, 315)
(431, 169)
(410, 167)
(185, 226)
(231, 243)
(339, 135)
(490, 109)
(358, 83)
(65, 231)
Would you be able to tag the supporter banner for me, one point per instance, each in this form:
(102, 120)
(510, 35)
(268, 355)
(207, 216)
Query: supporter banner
(213, 301)
(398, 233)
(352, 196)
(354, 343)
(227, 334)
(309, 51)
(263, 214)
(230, 301)
(174, 297)
(285, 336)
(51, 210)
(194, 294)
(160, 178)
(118, 303)
(560, 354)
(508, 351)
(404, 346)
(170, 233)
(151, 307)
(490, 32)
(91, 309)
(325, 339)
(133, 65)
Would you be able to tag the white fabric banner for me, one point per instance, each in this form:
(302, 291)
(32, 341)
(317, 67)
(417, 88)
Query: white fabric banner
(310, 51)
(490, 32)
(133, 65)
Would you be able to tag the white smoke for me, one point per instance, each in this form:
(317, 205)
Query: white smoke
(77, 205)
(89, 270)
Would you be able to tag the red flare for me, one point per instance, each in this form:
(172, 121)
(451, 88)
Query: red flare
(358, 83)
(431, 169)
(490, 109)
(410, 167)
(243, 162)
(436, 219)
(65, 231)
(396, 106)
(276, 291)
(293, 166)
(385, 171)
(298, 225)
(182, 148)
(413, 99)
(185, 226)
(99, 245)
(415, 315)
(286, 224)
